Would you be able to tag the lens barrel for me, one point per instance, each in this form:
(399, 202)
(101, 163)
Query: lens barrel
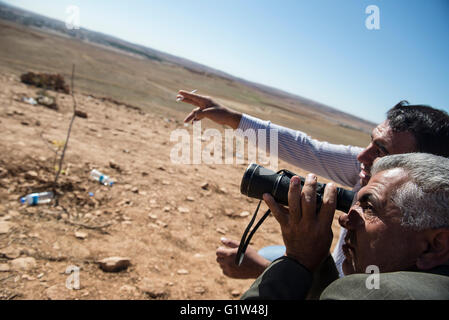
(258, 180)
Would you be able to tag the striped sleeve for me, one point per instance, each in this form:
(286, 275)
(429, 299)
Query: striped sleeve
(335, 162)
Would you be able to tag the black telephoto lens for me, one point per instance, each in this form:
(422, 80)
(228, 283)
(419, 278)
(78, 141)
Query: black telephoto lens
(258, 180)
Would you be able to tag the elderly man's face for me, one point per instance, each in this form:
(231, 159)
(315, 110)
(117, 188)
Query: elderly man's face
(375, 235)
(384, 142)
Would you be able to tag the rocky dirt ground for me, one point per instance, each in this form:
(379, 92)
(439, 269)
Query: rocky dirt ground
(167, 219)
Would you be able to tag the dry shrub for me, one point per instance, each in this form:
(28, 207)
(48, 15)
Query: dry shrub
(45, 80)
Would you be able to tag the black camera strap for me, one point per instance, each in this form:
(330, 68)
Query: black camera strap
(244, 242)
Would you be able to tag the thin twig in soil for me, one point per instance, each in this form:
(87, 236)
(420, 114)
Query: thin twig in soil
(14, 295)
(92, 227)
(40, 256)
(6, 278)
(68, 134)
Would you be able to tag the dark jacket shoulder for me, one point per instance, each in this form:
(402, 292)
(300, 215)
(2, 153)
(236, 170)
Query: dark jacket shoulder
(403, 285)
(284, 279)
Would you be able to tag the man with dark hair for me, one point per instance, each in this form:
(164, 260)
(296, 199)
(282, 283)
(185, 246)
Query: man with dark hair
(398, 227)
(404, 131)
(428, 126)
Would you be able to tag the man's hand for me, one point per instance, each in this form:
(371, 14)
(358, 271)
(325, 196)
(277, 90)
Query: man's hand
(307, 235)
(207, 108)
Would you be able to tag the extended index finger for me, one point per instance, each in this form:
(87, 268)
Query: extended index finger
(196, 99)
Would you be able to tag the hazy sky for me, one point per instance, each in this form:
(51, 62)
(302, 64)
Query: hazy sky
(318, 49)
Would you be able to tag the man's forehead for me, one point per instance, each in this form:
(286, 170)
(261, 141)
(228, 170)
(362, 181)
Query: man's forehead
(395, 142)
(381, 129)
(395, 173)
(389, 180)
(380, 189)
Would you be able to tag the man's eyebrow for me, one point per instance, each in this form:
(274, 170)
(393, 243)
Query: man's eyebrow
(365, 197)
(369, 197)
(381, 146)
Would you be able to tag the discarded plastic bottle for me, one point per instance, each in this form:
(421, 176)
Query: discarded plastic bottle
(33, 199)
(104, 179)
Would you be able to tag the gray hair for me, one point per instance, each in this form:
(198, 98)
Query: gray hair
(424, 199)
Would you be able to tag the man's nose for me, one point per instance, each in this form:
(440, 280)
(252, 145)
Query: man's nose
(368, 155)
(350, 220)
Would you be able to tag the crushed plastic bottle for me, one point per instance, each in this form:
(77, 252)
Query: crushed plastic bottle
(29, 100)
(33, 199)
(104, 179)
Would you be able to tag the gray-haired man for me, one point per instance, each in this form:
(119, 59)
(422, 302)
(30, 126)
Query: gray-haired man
(399, 224)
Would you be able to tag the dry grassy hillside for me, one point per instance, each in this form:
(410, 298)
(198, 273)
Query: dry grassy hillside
(160, 215)
(152, 85)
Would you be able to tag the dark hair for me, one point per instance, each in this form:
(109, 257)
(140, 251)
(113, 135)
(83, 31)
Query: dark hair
(429, 126)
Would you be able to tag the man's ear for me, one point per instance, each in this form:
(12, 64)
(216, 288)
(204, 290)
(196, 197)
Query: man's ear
(437, 252)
